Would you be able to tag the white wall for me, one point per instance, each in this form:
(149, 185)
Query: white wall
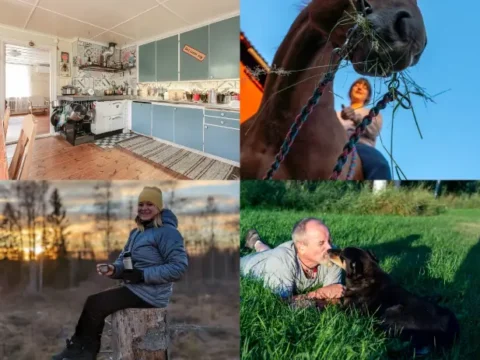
(40, 84)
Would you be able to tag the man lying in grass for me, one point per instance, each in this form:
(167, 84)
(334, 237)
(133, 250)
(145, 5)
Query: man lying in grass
(296, 266)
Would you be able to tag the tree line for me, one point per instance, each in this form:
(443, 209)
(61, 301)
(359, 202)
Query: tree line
(35, 217)
(309, 194)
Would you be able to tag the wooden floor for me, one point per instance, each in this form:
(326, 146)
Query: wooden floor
(15, 126)
(55, 159)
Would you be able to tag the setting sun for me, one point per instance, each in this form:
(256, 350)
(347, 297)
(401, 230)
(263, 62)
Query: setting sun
(38, 250)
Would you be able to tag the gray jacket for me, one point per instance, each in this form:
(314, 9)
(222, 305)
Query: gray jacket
(160, 253)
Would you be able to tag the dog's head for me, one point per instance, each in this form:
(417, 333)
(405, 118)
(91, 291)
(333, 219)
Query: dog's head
(355, 261)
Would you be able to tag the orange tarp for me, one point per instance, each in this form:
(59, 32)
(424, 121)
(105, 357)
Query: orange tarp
(251, 88)
(251, 95)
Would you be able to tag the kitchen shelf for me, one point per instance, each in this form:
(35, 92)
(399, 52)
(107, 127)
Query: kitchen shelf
(104, 68)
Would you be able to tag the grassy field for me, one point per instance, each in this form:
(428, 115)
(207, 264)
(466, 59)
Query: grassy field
(434, 255)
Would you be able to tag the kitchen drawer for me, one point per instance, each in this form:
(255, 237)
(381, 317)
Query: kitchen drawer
(116, 123)
(222, 122)
(226, 114)
(116, 108)
(110, 108)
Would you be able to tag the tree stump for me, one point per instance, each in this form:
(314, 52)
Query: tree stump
(140, 334)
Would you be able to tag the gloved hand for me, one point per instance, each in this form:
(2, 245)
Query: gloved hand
(133, 277)
(348, 113)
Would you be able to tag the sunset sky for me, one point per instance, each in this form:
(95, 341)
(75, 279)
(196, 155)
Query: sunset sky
(78, 200)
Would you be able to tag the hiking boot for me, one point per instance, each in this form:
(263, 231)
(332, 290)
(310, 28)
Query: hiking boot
(75, 350)
(251, 239)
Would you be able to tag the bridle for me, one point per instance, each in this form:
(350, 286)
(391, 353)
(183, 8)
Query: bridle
(363, 7)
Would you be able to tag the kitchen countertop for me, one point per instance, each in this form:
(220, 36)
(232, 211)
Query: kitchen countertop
(225, 107)
(94, 98)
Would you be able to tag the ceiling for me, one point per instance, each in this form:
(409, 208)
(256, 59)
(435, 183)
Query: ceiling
(120, 21)
(26, 56)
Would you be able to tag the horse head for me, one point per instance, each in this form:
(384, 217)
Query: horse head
(382, 36)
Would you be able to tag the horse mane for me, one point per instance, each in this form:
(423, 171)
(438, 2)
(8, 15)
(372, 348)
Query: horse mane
(301, 56)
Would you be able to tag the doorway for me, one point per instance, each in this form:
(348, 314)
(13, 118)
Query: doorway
(27, 88)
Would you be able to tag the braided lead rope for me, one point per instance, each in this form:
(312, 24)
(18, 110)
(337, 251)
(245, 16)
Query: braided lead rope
(307, 109)
(297, 125)
(312, 102)
(351, 170)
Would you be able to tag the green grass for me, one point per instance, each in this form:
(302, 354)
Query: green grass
(437, 255)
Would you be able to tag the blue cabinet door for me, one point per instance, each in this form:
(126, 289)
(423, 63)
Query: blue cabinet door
(224, 51)
(142, 118)
(190, 67)
(162, 122)
(167, 59)
(147, 63)
(189, 127)
(222, 142)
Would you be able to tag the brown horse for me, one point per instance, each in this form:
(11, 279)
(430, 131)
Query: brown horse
(396, 40)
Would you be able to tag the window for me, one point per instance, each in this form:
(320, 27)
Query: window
(18, 80)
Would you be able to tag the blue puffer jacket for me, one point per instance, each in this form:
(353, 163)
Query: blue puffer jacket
(160, 253)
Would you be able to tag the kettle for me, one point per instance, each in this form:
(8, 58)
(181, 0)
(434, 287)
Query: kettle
(212, 96)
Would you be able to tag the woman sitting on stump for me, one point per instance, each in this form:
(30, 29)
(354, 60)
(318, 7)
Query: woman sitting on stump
(375, 166)
(153, 258)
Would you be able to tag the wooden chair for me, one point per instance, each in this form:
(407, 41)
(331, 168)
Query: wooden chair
(22, 158)
(6, 118)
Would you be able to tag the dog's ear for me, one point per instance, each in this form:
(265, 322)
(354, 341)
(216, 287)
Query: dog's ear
(372, 255)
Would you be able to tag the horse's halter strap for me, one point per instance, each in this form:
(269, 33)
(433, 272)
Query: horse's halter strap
(364, 7)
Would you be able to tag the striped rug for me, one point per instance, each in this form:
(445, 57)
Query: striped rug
(189, 164)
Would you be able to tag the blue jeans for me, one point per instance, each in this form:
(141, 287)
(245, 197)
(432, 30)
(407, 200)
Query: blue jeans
(375, 166)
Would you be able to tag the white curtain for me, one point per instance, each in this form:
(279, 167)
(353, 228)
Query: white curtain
(18, 80)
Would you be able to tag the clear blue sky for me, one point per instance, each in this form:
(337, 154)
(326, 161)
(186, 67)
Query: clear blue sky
(449, 147)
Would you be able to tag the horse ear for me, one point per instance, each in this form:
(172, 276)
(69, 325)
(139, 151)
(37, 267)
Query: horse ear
(372, 255)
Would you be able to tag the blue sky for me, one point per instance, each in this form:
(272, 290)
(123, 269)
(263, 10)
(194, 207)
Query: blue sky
(449, 126)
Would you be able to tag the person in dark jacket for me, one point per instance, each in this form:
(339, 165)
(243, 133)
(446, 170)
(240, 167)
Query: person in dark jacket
(158, 257)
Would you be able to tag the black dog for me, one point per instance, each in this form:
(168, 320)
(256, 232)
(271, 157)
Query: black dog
(371, 290)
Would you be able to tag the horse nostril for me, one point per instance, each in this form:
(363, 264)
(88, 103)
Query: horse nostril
(401, 24)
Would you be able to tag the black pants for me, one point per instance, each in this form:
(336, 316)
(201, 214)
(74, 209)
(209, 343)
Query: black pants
(98, 307)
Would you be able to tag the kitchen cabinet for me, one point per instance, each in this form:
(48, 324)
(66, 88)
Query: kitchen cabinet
(163, 122)
(142, 118)
(189, 127)
(167, 59)
(190, 67)
(147, 63)
(224, 51)
(223, 142)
